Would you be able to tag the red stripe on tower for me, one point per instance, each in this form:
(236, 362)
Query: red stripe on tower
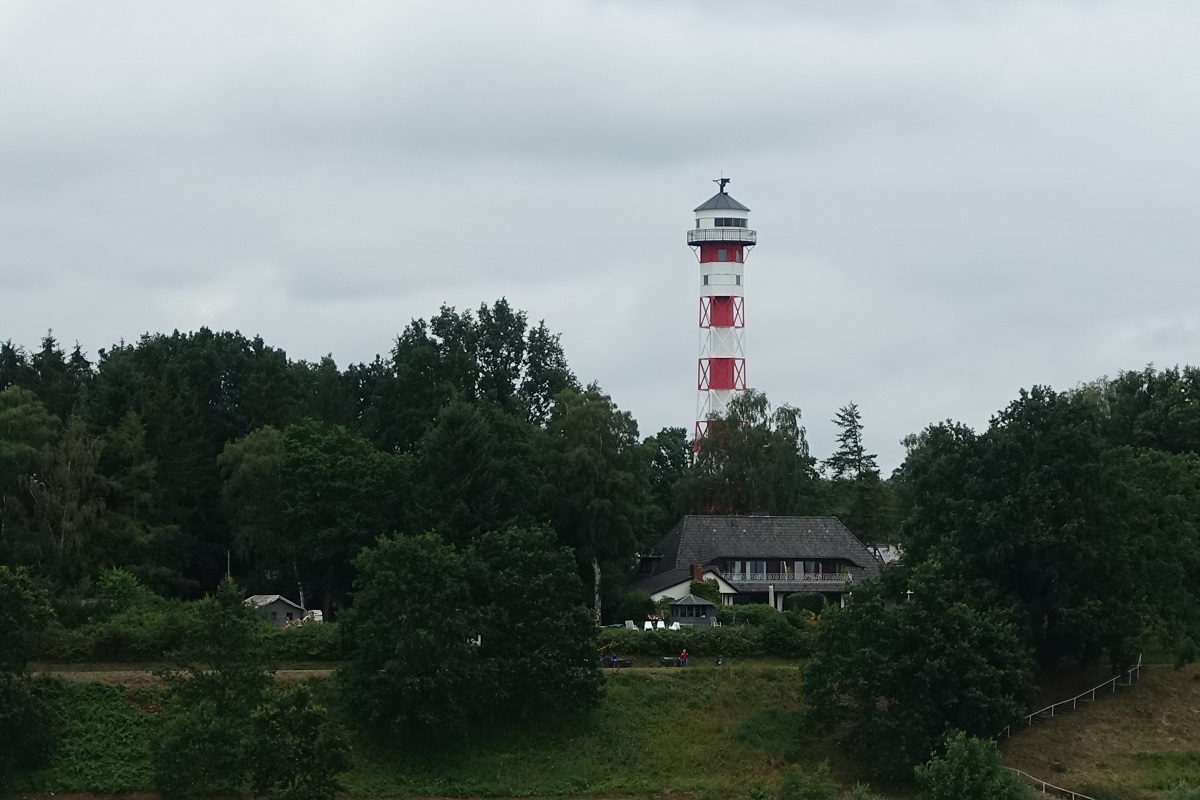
(722, 240)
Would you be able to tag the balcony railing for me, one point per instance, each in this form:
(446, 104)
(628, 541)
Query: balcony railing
(742, 235)
(823, 579)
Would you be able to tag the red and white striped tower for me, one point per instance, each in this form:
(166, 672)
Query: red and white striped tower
(721, 240)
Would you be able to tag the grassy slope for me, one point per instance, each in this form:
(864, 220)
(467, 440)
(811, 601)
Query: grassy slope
(1132, 745)
(714, 732)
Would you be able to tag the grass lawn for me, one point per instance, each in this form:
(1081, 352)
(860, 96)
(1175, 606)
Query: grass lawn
(707, 731)
(1133, 745)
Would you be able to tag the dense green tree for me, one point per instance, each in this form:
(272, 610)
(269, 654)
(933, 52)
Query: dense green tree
(598, 489)
(204, 747)
(908, 660)
(28, 730)
(858, 496)
(1089, 540)
(24, 611)
(670, 453)
(448, 639)
(476, 471)
(1152, 409)
(755, 459)
(296, 753)
(307, 500)
(969, 767)
(416, 668)
(540, 638)
(193, 393)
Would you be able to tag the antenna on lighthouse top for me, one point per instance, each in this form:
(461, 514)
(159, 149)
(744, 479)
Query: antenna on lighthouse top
(722, 182)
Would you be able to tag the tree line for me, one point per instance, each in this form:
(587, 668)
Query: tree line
(185, 456)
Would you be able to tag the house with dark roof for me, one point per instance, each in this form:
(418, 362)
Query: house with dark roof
(757, 559)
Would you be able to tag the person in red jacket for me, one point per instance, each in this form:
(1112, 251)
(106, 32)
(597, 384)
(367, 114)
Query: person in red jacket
(683, 658)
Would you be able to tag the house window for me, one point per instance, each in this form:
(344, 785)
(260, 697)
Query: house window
(812, 566)
(756, 567)
(289, 616)
(274, 616)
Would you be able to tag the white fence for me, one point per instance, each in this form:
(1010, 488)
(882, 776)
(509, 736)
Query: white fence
(1125, 679)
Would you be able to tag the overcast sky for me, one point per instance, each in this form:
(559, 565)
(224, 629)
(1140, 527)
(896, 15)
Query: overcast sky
(954, 198)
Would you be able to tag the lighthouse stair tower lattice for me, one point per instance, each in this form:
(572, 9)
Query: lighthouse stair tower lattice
(721, 240)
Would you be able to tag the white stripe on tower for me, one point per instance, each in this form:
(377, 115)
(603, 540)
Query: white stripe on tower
(721, 240)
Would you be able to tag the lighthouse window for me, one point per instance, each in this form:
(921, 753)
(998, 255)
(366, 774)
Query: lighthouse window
(706, 280)
(728, 222)
(738, 279)
(722, 255)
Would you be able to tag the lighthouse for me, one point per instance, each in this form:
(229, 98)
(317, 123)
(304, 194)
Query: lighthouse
(721, 240)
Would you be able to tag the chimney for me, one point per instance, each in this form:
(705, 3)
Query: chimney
(697, 572)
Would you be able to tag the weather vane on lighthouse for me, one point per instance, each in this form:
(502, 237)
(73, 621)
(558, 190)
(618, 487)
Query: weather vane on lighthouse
(721, 241)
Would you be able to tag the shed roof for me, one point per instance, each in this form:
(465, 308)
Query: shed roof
(692, 600)
(260, 600)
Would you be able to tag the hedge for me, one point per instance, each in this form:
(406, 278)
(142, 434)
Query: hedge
(142, 636)
(778, 638)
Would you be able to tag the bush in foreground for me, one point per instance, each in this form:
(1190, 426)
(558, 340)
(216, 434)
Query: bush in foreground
(447, 639)
(893, 671)
(969, 767)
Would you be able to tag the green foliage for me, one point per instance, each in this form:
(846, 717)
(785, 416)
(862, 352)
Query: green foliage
(28, 726)
(303, 643)
(861, 792)
(446, 639)
(307, 500)
(205, 742)
(892, 672)
(105, 739)
(24, 612)
(202, 752)
(121, 590)
(635, 605)
(807, 784)
(755, 459)
(1091, 540)
(1182, 792)
(598, 500)
(969, 767)
(805, 601)
(296, 752)
(710, 590)
(743, 641)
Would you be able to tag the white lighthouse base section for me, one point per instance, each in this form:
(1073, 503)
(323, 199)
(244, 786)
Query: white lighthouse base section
(715, 403)
(722, 343)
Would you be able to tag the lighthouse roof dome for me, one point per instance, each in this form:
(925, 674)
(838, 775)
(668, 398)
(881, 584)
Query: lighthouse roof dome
(721, 201)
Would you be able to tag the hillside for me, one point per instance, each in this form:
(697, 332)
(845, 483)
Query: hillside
(708, 731)
(1132, 745)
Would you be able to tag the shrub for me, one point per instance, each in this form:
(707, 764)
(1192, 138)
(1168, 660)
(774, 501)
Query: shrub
(780, 638)
(635, 605)
(24, 612)
(1182, 792)
(699, 641)
(969, 767)
(801, 784)
(710, 590)
(309, 642)
(805, 601)
(28, 728)
(296, 751)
